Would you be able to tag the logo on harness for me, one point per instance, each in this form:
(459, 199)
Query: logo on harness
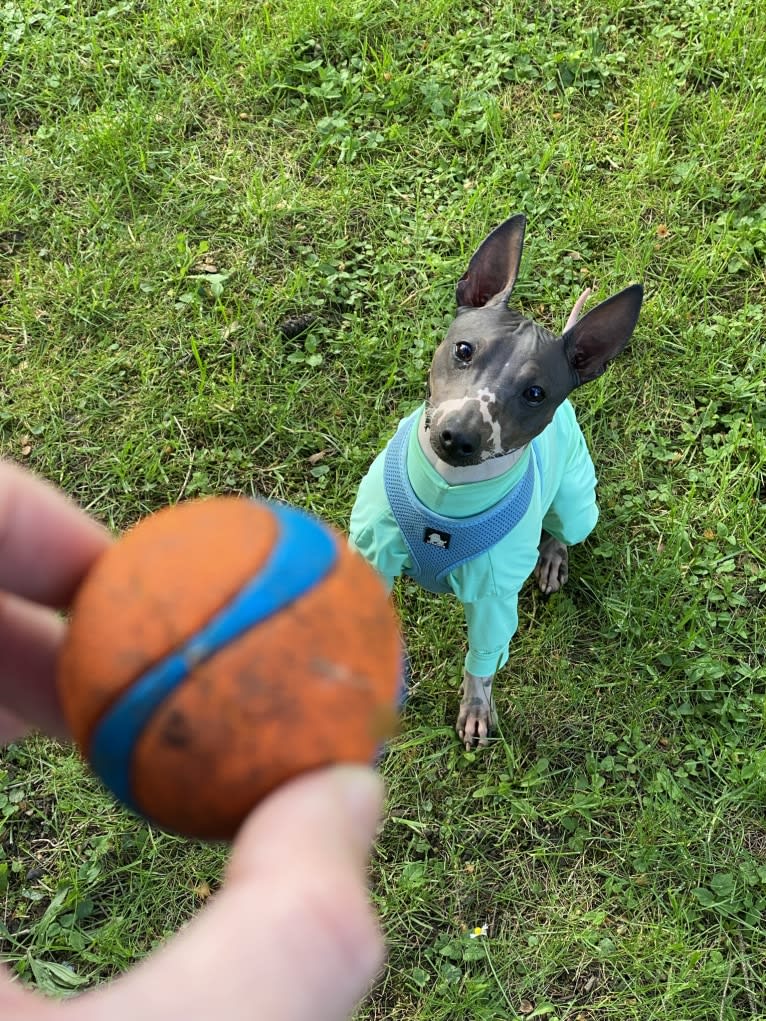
(433, 537)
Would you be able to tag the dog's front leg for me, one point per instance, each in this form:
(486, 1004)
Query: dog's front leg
(477, 710)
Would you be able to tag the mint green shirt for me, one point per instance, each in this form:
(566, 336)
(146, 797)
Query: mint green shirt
(563, 503)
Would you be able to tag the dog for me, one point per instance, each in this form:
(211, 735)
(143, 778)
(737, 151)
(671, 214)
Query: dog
(490, 480)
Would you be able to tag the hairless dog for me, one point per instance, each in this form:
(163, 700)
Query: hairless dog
(490, 480)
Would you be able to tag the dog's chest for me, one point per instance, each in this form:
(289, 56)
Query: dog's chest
(505, 565)
(483, 514)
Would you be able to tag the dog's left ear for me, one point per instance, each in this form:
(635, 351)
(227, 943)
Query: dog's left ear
(494, 266)
(603, 333)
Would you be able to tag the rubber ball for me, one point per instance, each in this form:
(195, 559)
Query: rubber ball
(221, 647)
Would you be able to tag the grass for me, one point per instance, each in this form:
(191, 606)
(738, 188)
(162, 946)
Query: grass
(178, 183)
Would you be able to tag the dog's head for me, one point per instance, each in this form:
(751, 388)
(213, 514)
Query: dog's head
(497, 378)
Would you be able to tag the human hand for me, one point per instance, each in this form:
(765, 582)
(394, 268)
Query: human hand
(291, 935)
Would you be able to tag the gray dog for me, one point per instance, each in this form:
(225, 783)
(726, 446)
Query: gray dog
(490, 480)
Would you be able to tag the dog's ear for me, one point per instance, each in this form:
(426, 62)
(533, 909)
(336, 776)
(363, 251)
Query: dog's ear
(494, 266)
(601, 335)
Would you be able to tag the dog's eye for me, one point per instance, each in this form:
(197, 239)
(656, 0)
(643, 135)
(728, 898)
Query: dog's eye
(534, 395)
(463, 351)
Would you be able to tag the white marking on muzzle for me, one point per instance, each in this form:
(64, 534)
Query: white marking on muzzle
(458, 476)
(485, 398)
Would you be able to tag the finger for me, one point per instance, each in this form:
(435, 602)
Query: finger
(11, 729)
(21, 1004)
(30, 636)
(46, 542)
(291, 937)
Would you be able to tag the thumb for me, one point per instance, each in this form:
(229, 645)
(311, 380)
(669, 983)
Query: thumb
(291, 936)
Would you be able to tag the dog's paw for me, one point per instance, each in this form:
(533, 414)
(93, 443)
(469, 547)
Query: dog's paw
(477, 713)
(474, 724)
(552, 569)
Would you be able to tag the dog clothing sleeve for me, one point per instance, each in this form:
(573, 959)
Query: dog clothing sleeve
(491, 625)
(488, 588)
(573, 511)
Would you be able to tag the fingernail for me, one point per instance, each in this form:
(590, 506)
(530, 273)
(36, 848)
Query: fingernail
(361, 792)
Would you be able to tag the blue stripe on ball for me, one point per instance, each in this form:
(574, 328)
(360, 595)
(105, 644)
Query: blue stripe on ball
(304, 553)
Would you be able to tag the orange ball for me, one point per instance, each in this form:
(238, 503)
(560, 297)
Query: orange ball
(221, 647)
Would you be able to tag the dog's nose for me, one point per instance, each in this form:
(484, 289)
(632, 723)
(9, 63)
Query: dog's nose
(459, 443)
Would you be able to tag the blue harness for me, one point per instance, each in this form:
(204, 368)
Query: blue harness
(439, 544)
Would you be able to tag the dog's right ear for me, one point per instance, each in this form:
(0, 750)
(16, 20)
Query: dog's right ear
(494, 266)
(601, 335)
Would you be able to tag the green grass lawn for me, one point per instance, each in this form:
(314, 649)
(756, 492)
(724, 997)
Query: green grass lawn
(180, 181)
